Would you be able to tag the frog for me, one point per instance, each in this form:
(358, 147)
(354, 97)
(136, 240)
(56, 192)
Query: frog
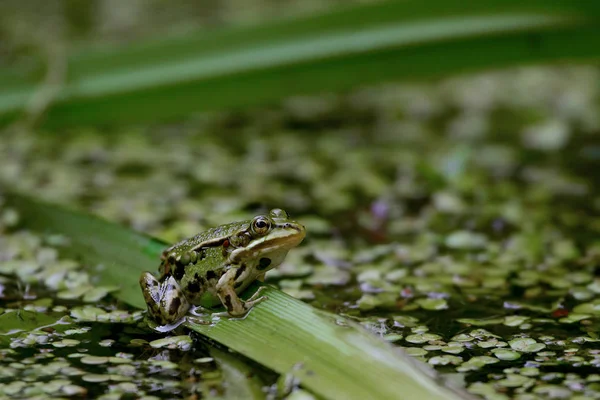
(219, 263)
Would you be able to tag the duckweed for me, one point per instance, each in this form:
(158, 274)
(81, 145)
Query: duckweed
(183, 342)
(457, 220)
(526, 345)
(504, 354)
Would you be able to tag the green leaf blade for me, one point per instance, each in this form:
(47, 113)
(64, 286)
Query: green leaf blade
(318, 348)
(365, 44)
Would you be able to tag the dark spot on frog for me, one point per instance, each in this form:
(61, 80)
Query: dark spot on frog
(178, 272)
(174, 307)
(239, 271)
(193, 287)
(211, 275)
(201, 281)
(263, 263)
(228, 304)
(238, 284)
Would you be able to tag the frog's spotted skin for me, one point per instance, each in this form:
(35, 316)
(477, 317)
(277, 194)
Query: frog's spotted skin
(220, 262)
(167, 303)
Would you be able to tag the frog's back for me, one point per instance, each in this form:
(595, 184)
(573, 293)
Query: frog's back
(212, 237)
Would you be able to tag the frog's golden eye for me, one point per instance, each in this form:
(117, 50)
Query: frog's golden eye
(278, 213)
(261, 225)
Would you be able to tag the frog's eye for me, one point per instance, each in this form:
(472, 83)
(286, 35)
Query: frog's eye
(261, 225)
(278, 213)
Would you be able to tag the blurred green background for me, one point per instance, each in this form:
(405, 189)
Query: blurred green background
(442, 155)
(107, 63)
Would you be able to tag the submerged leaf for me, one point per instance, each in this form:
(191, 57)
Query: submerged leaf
(22, 320)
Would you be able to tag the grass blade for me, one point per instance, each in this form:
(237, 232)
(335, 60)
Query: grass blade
(331, 356)
(364, 44)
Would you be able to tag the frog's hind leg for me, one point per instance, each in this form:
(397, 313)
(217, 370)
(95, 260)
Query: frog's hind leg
(173, 302)
(165, 300)
(225, 289)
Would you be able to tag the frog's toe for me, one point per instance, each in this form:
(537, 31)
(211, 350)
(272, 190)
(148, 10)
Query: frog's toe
(248, 304)
(199, 311)
(257, 295)
(245, 306)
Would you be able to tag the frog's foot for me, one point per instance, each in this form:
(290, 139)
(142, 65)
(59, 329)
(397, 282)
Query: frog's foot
(199, 315)
(199, 311)
(256, 297)
(237, 307)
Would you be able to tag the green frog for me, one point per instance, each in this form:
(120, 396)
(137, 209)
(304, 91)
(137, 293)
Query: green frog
(221, 263)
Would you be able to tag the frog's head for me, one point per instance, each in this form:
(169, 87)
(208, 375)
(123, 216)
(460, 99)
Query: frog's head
(265, 241)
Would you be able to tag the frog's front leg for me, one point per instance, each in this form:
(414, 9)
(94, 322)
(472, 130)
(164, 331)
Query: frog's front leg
(225, 289)
(166, 301)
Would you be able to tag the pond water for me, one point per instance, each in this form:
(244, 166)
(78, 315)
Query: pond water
(456, 219)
